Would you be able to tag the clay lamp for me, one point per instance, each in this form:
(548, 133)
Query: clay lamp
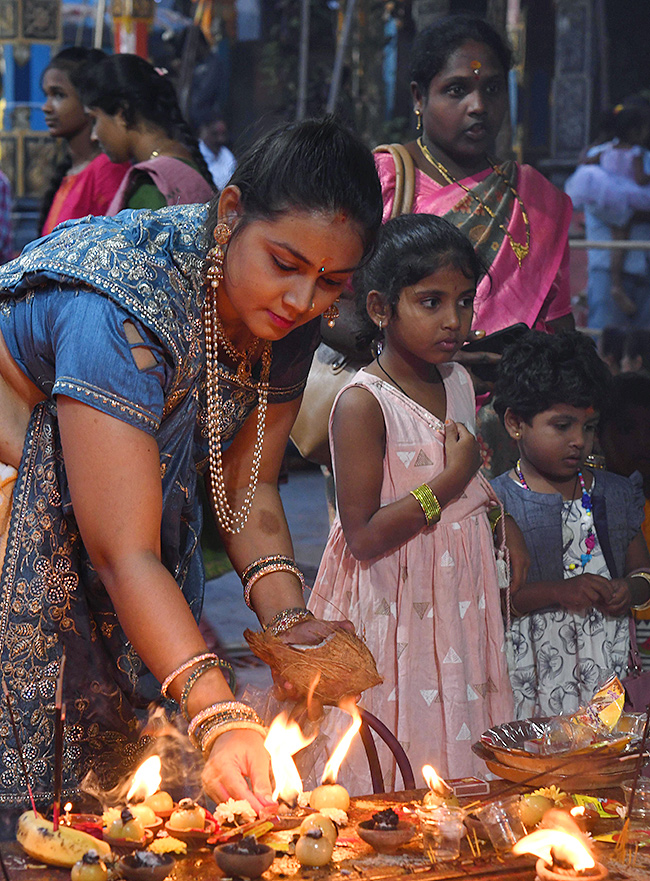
(246, 858)
(143, 865)
(385, 832)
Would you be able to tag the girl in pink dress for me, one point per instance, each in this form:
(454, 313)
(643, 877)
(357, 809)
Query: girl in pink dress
(410, 558)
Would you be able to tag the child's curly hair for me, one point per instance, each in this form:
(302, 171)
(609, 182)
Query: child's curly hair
(541, 370)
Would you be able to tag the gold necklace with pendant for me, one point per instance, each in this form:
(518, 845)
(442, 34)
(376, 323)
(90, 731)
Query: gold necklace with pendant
(520, 249)
(244, 359)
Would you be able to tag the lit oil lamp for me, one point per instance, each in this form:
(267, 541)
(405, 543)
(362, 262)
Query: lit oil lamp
(440, 792)
(89, 823)
(282, 742)
(331, 794)
(563, 851)
(144, 794)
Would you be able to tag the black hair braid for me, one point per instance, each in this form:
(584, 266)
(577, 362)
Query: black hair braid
(60, 170)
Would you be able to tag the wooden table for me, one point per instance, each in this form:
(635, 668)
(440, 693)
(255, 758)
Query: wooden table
(355, 861)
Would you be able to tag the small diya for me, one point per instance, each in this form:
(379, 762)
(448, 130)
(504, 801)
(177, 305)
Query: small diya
(91, 824)
(126, 832)
(246, 858)
(143, 865)
(385, 832)
(161, 803)
(314, 848)
(190, 824)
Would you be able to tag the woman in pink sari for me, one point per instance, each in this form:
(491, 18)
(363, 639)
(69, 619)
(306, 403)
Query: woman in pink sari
(136, 118)
(517, 221)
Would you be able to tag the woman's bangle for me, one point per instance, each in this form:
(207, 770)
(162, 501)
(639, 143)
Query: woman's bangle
(428, 502)
(641, 573)
(286, 619)
(222, 711)
(183, 667)
(208, 739)
(265, 566)
(196, 674)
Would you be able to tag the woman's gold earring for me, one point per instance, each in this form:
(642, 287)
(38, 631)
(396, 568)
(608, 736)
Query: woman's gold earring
(418, 117)
(215, 255)
(331, 314)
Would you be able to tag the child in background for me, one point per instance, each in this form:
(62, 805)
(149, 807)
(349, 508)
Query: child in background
(410, 558)
(578, 524)
(624, 437)
(636, 352)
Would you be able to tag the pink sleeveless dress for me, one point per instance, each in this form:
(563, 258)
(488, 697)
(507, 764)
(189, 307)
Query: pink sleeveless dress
(429, 610)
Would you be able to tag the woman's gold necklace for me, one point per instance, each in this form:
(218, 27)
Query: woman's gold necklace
(520, 249)
(244, 358)
(230, 520)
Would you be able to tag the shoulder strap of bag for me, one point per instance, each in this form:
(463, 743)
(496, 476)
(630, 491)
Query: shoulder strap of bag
(404, 177)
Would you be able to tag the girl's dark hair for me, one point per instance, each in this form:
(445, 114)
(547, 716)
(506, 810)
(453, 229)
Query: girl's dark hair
(315, 165)
(130, 84)
(434, 45)
(74, 62)
(408, 249)
(542, 370)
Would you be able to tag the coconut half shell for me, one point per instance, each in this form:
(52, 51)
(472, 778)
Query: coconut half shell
(345, 664)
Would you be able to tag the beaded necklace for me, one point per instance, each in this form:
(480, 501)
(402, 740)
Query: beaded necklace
(520, 249)
(587, 506)
(231, 520)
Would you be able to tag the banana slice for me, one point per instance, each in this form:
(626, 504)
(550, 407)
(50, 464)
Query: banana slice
(64, 847)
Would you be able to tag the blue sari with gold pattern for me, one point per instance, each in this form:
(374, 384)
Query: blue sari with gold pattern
(62, 308)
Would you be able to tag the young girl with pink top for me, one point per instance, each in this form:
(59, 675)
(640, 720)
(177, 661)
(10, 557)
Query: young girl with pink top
(410, 558)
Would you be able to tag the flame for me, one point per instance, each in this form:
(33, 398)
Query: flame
(560, 841)
(146, 780)
(578, 811)
(67, 807)
(435, 782)
(282, 742)
(334, 762)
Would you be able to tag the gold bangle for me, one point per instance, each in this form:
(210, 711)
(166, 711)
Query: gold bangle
(206, 656)
(428, 502)
(211, 735)
(643, 607)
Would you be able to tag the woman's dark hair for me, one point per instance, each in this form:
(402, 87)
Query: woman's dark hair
(629, 122)
(75, 63)
(637, 345)
(130, 84)
(434, 45)
(408, 249)
(315, 165)
(542, 370)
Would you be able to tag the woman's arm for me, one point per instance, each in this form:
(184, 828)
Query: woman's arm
(113, 471)
(359, 438)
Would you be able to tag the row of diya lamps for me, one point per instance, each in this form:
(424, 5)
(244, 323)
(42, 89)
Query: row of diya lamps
(561, 847)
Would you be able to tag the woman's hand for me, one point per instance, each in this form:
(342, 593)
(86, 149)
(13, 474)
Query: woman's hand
(308, 632)
(518, 551)
(235, 756)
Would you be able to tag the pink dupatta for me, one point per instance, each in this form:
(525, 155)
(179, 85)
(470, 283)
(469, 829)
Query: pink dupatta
(538, 291)
(179, 183)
